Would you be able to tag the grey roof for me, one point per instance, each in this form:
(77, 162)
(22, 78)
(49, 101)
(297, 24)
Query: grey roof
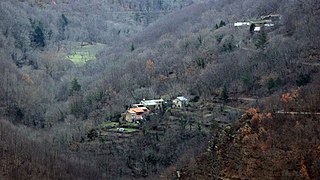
(182, 98)
(152, 102)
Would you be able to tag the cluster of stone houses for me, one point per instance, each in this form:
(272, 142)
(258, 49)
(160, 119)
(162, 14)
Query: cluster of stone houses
(138, 112)
(264, 21)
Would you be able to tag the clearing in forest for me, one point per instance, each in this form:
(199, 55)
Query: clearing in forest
(82, 52)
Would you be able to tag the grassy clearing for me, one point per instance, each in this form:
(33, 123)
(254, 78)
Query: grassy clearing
(109, 124)
(80, 53)
(108, 127)
(129, 124)
(130, 130)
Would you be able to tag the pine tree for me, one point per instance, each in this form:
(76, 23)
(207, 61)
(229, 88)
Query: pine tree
(303, 79)
(261, 39)
(271, 84)
(38, 37)
(75, 86)
(252, 26)
(222, 23)
(132, 48)
(224, 94)
(63, 23)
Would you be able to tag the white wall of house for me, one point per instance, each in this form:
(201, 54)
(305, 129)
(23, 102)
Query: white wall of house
(257, 29)
(237, 24)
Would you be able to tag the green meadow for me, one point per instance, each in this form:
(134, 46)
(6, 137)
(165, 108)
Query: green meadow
(80, 52)
(109, 124)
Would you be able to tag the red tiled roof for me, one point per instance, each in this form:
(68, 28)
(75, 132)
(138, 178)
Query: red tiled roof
(135, 110)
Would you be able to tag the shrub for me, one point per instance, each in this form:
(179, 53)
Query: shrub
(303, 79)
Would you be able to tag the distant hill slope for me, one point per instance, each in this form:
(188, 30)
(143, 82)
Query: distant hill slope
(23, 158)
(201, 46)
(30, 25)
(99, 20)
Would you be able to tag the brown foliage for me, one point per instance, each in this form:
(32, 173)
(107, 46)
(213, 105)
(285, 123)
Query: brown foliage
(268, 146)
(150, 65)
(304, 170)
(287, 97)
(25, 77)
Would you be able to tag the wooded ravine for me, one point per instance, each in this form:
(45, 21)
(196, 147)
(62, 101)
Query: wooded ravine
(157, 89)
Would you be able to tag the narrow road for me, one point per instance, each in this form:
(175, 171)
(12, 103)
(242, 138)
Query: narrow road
(311, 64)
(298, 113)
(247, 99)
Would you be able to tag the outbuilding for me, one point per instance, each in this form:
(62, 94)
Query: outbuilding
(180, 101)
(153, 104)
(257, 29)
(238, 24)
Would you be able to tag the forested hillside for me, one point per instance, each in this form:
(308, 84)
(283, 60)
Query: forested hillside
(70, 69)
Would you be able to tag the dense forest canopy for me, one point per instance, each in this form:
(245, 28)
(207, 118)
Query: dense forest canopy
(68, 67)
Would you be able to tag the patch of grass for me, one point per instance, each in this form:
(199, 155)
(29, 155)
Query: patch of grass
(80, 53)
(109, 124)
(129, 124)
(80, 59)
(130, 130)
